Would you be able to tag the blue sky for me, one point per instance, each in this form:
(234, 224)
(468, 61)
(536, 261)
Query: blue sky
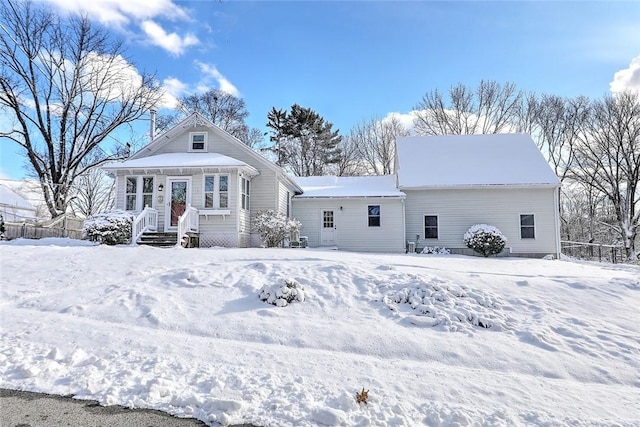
(356, 60)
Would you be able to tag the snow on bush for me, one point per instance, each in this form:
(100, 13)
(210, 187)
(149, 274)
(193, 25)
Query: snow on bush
(485, 239)
(274, 227)
(283, 295)
(112, 228)
(439, 303)
(436, 250)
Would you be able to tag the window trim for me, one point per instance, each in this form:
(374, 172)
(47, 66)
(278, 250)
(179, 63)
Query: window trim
(533, 227)
(139, 192)
(370, 216)
(437, 227)
(215, 199)
(204, 146)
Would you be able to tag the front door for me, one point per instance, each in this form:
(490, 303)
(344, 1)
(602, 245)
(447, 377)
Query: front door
(328, 230)
(179, 193)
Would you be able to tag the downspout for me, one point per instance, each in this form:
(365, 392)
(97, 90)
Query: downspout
(152, 129)
(404, 224)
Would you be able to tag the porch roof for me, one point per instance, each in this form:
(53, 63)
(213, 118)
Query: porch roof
(179, 161)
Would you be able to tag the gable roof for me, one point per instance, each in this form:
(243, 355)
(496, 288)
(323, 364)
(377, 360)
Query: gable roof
(472, 160)
(348, 186)
(9, 199)
(197, 119)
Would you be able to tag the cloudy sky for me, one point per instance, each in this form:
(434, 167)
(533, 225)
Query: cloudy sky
(355, 60)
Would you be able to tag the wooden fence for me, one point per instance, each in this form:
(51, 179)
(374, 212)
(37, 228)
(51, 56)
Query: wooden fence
(594, 251)
(63, 226)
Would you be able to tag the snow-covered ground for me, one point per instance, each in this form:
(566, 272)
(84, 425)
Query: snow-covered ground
(438, 340)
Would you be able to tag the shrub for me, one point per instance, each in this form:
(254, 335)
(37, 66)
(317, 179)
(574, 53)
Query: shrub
(281, 296)
(111, 228)
(485, 239)
(436, 250)
(274, 227)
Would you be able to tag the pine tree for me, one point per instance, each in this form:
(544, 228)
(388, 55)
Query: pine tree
(304, 141)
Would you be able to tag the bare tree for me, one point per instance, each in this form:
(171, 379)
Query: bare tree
(67, 88)
(225, 111)
(491, 108)
(607, 158)
(375, 141)
(93, 193)
(349, 162)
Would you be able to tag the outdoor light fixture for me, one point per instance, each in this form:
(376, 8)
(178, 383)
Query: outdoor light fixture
(160, 187)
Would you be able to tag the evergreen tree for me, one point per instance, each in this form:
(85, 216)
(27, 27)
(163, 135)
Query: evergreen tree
(304, 141)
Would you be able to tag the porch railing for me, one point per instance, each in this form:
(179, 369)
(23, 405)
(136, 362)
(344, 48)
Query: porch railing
(146, 221)
(189, 222)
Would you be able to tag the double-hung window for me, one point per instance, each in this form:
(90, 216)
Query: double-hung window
(374, 215)
(216, 191)
(138, 193)
(431, 226)
(244, 190)
(197, 141)
(527, 226)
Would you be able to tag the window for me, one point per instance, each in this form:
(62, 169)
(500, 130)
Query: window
(527, 227)
(138, 193)
(374, 215)
(288, 204)
(430, 226)
(327, 219)
(244, 189)
(132, 189)
(216, 191)
(198, 141)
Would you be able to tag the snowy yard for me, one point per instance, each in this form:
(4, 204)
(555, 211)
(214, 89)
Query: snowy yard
(438, 340)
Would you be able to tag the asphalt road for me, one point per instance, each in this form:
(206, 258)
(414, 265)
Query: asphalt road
(26, 409)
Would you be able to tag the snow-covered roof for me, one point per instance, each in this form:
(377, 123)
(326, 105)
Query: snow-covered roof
(472, 160)
(8, 198)
(348, 186)
(178, 160)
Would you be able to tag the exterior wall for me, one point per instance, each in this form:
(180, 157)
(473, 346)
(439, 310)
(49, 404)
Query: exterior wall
(352, 230)
(283, 191)
(459, 209)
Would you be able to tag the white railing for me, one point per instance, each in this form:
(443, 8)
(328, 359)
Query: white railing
(146, 221)
(188, 222)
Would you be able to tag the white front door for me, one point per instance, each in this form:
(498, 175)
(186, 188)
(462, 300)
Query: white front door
(178, 198)
(328, 228)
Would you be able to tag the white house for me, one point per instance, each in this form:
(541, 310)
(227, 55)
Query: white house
(198, 180)
(14, 208)
(453, 182)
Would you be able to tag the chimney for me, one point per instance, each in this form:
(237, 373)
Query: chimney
(152, 130)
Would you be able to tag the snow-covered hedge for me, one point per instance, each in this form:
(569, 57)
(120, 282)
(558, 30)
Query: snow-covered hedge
(485, 239)
(274, 227)
(283, 295)
(111, 228)
(436, 250)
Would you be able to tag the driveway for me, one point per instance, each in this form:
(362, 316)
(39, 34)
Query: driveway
(26, 409)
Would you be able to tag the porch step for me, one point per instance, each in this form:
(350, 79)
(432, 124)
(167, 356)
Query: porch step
(159, 239)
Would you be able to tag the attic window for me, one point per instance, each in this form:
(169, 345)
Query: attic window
(197, 141)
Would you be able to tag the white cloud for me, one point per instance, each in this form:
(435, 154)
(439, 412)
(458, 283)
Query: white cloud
(121, 12)
(223, 84)
(173, 90)
(172, 43)
(405, 119)
(628, 78)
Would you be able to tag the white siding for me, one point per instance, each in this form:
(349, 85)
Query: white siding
(352, 228)
(459, 209)
(282, 198)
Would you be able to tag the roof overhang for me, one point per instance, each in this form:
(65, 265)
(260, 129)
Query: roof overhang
(479, 186)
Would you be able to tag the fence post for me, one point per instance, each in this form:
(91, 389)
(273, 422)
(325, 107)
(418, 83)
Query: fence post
(600, 253)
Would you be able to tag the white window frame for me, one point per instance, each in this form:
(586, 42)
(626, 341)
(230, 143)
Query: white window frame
(139, 195)
(520, 226)
(216, 190)
(424, 227)
(245, 193)
(379, 216)
(191, 142)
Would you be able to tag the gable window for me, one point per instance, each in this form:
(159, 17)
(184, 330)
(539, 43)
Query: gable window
(244, 190)
(197, 141)
(138, 192)
(527, 227)
(216, 191)
(374, 215)
(430, 226)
